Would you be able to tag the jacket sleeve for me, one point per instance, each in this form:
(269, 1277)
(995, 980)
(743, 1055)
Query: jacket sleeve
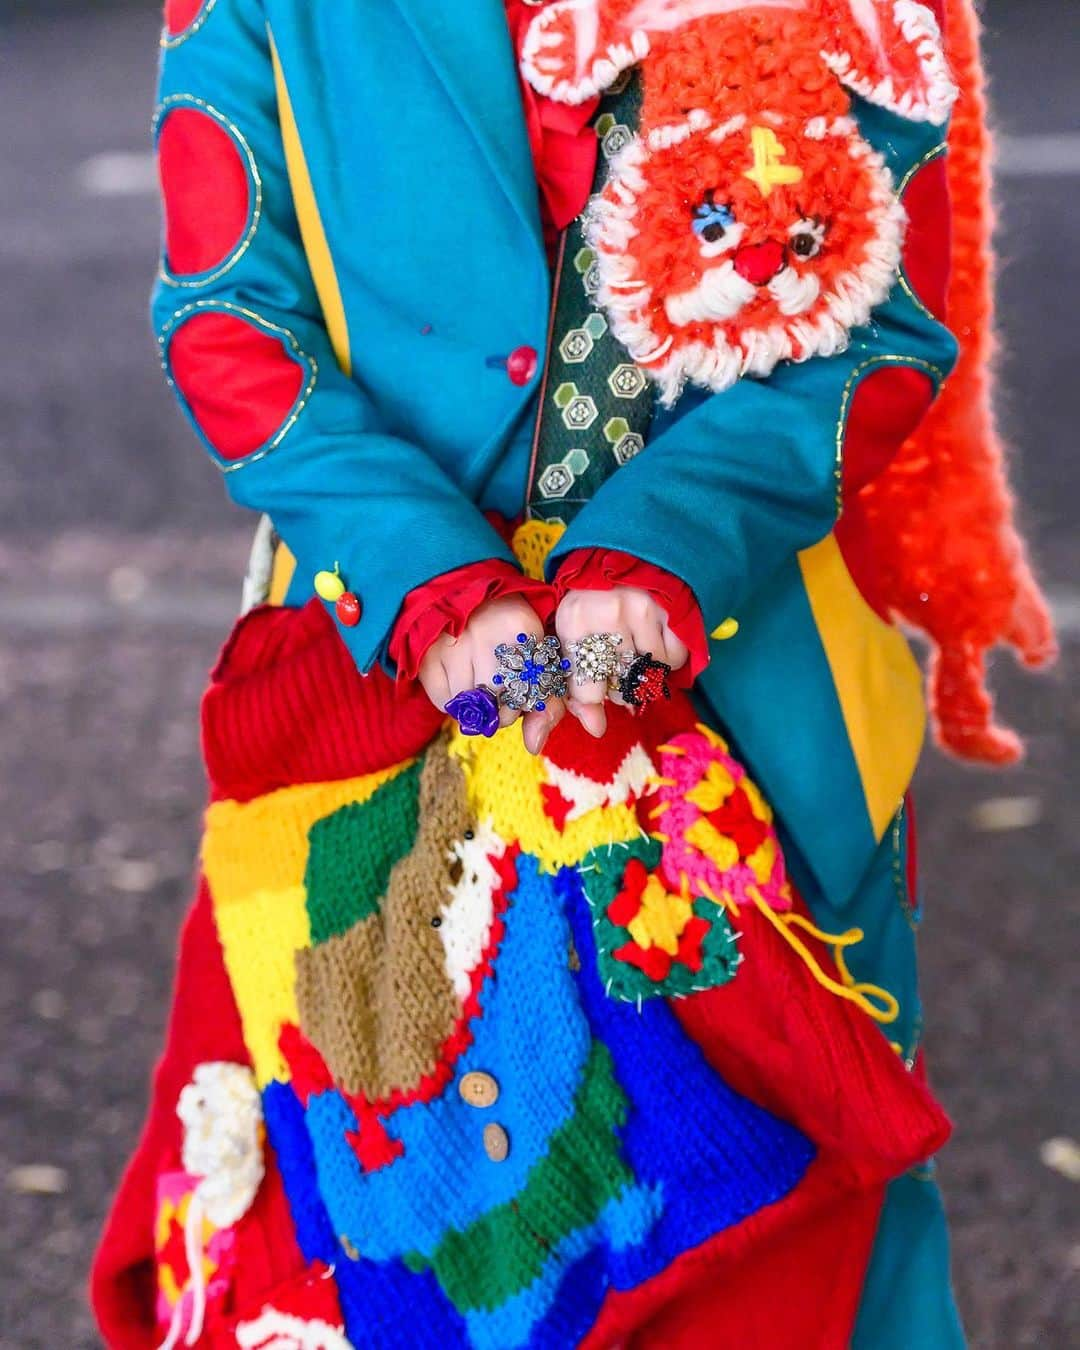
(735, 483)
(245, 346)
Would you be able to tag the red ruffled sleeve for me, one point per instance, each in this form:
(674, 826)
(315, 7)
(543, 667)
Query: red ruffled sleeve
(595, 569)
(445, 604)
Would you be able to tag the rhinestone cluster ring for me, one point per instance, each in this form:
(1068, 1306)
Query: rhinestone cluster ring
(596, 657)
(531, 670)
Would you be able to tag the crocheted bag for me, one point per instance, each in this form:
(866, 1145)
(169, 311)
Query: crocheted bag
(541, 1119)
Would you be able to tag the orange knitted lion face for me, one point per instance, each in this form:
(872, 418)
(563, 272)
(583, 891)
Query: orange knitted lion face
(743, 245)
(747, 222)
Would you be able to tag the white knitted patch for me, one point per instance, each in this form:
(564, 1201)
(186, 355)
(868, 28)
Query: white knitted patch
(467, 917)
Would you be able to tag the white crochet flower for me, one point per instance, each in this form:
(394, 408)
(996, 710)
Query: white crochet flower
(221, 1112)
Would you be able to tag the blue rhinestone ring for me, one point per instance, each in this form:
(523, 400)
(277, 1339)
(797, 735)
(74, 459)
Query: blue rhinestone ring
(531, 670)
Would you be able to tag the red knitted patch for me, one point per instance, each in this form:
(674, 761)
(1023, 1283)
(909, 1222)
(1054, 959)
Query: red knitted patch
(240, 382)
(181, 14)
(206, 189)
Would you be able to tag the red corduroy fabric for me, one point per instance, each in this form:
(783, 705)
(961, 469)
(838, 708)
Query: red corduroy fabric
(204, 1025)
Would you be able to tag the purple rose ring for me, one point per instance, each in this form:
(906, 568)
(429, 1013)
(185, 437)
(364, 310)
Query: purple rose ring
(530, 671)
(476, 712)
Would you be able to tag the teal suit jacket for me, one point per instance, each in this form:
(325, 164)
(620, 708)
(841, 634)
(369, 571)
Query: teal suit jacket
(393, 254)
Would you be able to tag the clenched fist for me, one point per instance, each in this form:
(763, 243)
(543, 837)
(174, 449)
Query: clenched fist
(452, 665)
(643, 627)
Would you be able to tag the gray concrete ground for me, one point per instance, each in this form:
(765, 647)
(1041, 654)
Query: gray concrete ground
(118, 568)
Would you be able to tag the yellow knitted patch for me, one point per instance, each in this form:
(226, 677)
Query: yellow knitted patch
(533, 541)
(254, 856)
(260, 938)
(262, 844)
(503, 782)
(661, 919)
(714, 789)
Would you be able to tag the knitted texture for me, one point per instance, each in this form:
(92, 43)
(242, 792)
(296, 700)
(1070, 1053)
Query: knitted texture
(947, 555)
(378, 1001)
(471, 1118)
(282, 668)
(794, 231)
(652, 942)
(352, 851)
(718, 832)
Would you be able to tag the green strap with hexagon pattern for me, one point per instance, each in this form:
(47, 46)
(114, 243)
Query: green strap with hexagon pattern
(595, 403)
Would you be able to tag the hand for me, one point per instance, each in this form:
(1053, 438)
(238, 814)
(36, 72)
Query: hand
(452, 665)
(643, 626)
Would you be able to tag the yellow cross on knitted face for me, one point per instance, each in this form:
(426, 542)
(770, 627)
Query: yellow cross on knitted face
(768, 172)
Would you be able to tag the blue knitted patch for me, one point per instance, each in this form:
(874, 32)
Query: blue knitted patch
(717, 1157)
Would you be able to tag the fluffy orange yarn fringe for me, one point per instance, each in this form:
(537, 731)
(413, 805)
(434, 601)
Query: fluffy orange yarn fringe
(950, 560)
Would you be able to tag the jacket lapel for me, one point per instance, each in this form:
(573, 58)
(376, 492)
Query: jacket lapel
(468, 44)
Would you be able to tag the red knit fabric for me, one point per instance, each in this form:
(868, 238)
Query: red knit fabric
(774, 1033)
(797, 1285)
(204, 1025)
(812, 1058)
(312, 1296)
(285, 668)
(594, 569)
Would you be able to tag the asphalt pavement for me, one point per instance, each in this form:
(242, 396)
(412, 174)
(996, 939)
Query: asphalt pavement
(119, 568)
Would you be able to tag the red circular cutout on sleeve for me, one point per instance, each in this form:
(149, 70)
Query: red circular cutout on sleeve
(240, 383)
(206, 189)
(926, 244)
(181, 14)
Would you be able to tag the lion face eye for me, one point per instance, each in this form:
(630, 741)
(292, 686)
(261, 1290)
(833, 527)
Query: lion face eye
(712, 220)
(806, 237)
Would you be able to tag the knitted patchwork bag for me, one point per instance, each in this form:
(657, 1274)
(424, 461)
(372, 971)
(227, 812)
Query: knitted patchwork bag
(512, 1050)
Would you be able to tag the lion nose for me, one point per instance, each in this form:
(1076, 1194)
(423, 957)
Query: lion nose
(759, 263)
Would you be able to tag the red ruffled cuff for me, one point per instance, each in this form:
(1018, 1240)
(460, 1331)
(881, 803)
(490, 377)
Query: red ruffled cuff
(445, 604)
(596, 569)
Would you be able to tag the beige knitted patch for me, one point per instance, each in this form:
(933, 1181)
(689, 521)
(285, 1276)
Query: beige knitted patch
(377, 1001)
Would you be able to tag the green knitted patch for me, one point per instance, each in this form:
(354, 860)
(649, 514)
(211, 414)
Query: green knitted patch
(353, 850)
(706, 957)
(492, 1259)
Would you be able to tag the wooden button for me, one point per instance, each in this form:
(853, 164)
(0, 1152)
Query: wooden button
(496, 1142)
(479, 1089)
(348, 1248)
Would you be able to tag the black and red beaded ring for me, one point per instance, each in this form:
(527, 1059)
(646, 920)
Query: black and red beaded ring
(643, 681)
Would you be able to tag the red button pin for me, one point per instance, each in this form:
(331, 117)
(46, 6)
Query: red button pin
(521, 365)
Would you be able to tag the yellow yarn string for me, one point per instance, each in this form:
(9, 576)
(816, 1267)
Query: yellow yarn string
(862, 995)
